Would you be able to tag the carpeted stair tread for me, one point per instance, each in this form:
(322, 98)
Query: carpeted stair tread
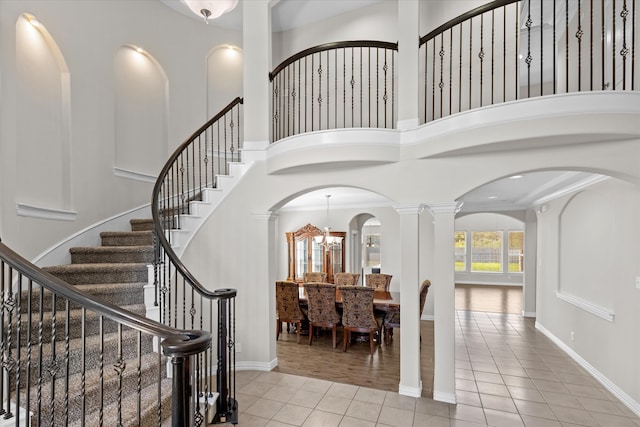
(82, 274)
(112, 254)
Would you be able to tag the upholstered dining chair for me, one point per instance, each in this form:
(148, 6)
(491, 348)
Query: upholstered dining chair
(346, 279)
(392, 319)
(315, 276)
(378, 281)
(357, 313)
(288, 307)
(322, 312)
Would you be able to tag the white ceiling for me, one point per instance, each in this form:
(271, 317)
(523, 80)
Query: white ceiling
(285, 14)
(505, 194)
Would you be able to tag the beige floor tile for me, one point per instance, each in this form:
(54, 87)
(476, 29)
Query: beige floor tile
(468, 413)
(530, 421)
(396, 400)
(499, 403)
(333, 404)
(255, 388)
(546, 385)
(488, 377)
(355, 422)
(466, 385)
(512, 370)
(526, 394)
(535, 409)
(561, 399)
(518, 381)
(247, 420)
(464, 374)
(273, 423)
(322, 419)
(395, 417)
(316, 385)
(431, 407)
(426, 420)
(503, 419)
(292, 414)
(264, 408)
(574, 416)
(346, 391)
(462, 423)
(308, 399)
(370, 395)
(364, 410)
(468, 398)
(292, 381)
(598, 405)
(586, 391)
(280, 394)
(613, 420)
(495, 389)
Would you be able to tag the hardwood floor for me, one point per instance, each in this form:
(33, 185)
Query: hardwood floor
(382, 369)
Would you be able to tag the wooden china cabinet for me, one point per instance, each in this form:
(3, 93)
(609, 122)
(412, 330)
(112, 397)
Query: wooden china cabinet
(307, 253)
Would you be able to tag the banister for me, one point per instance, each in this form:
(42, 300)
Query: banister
(331, 46)
(464, 17)
(178, 342)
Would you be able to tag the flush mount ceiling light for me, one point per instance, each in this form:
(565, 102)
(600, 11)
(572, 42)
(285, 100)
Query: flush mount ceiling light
(210, 9)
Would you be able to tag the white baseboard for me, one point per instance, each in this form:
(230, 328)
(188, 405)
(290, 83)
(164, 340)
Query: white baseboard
(528, 314)
(410, 391)
(627, 400)
(256, 366)
(427, 317)
(444, 397)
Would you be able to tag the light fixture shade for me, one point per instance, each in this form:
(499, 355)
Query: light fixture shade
(210, 9)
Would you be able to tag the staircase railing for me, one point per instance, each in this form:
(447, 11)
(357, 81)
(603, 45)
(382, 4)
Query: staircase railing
(183, 301)
(508, 50)
(42, 321)
(333, 86)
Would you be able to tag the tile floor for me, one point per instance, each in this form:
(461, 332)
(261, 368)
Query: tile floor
(507, 374)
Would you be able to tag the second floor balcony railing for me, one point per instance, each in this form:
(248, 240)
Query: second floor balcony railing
(335, 85)
(508, 50)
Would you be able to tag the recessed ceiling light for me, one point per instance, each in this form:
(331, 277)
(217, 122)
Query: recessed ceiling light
(492, 197)
(516, 177)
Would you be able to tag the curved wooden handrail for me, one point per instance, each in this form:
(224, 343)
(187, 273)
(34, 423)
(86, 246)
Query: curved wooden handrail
(464, 17)
(178, 342)
(331, 46)
(155, 212)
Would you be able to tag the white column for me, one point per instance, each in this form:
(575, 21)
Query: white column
(444, 310)
(256, 40)
(408, 64)
(410, 378)
(530, 257)
(264, 267)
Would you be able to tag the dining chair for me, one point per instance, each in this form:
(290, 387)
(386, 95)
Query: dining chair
(346, 279)
(288, 307)
(392, 319)
(358, 314)
(378, 281)
(322, 312)
(315, 276)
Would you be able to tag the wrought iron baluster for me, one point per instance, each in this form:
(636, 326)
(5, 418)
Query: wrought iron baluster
(67, 333)
(481, 54)
(529, 58)
(3, 348)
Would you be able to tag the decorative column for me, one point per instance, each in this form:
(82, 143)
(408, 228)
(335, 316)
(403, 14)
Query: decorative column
(264, 268)
(410, 378)
(408, 64)
(444, 311)
(530, 263)
(256, 40)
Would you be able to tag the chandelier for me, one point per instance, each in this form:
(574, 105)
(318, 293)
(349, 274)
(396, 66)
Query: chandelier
(326, 239)
(210, 9)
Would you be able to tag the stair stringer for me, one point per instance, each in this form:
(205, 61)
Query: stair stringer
(200, 210)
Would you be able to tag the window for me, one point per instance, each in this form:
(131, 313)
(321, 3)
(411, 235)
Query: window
(516, 251)
(486, 251)
(460, 246)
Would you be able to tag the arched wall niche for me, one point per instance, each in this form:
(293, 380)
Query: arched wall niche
(43, 128)
(141, 114)
(224, 77)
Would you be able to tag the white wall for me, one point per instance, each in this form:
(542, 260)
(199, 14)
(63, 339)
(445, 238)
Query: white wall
(589, 252)
(36, 167)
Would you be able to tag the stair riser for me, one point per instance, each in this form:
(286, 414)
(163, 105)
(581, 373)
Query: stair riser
(102, 257)
(141, 224)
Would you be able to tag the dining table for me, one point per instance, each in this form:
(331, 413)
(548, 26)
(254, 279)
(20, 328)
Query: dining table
(382, 300)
